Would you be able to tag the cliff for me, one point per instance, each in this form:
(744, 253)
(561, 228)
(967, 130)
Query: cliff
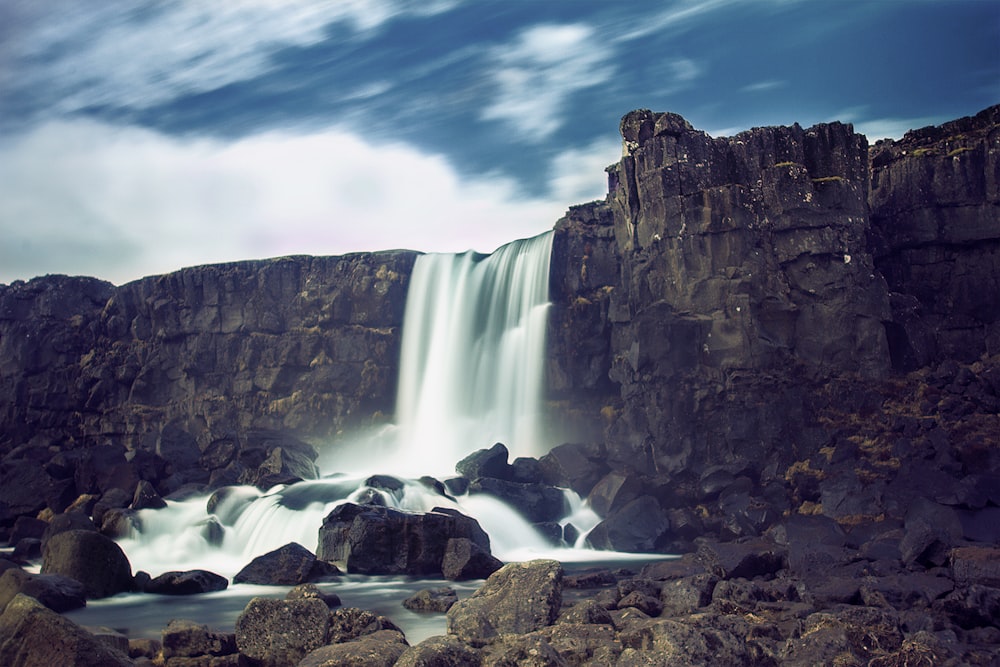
(737, 313)
(214, 364)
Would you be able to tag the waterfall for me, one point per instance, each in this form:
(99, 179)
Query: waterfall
(473, 355)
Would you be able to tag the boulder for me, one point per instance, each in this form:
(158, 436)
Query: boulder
(431, 599)
(747, 559)
(277, 633)
(188, 582)
(91, 558)
(440, 651)
(576, 466)
(687, 594)
(286, 566)
(146, 497)
(349, 623)
(639, 526)
(585, 611)
(71, 520)
(464, 559)
(518, 598)
(667, 642)
(31, 635)
(613, 491)
(379, 649)
(380, 540)
(187, 639)
(489, 463)
(56, 592)
(976, 565)
(535, 502)
(312, 591)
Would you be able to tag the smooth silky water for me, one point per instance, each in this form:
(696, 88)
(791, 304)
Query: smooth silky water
(471, 374)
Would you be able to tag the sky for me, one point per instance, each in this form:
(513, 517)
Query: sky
(140, 137)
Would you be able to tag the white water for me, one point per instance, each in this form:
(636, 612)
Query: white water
(473, 355)
(471, 374)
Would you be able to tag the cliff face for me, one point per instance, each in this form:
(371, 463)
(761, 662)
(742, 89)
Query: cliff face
(742, 304)
(935, 203)
(204, 359)
(772, 287)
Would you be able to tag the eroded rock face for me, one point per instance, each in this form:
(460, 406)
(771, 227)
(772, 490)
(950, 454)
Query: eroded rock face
(183, 363)
(935, 207)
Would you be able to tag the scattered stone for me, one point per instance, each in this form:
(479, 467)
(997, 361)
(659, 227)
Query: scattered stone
(440, 651)
(485, 463)
(183, 638)
(312, 591)
(31, 635)
(378, 649)
(517, 598)
(91, 558)
(432, 599)
(188, 582)
(56, 592)
(464, 559)
(277, 633)
(286, 566)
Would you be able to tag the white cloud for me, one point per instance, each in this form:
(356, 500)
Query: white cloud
(540, 70)
(578, 173)
(141, 54)
(763, 86)
(87, 198)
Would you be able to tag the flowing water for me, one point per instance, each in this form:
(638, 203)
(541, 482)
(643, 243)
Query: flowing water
(471, 374)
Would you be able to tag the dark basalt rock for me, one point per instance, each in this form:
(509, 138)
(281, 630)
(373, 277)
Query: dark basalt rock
(535, 502)
(379, 540)
(91, 558)
(464, 559)
(432, 599)
(639, 526)
(289, 565)
(486, 463)
(187, 639)
(188, 582)
(56, 592)
(32, 635)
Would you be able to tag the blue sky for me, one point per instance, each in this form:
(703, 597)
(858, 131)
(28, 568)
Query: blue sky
(141, 137)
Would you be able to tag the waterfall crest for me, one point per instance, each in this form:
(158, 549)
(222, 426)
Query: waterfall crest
(473, 354)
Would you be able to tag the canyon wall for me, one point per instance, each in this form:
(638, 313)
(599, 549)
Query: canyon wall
(740, 304)
(208, 363)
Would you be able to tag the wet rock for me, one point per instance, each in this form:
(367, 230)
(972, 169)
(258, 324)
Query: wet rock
(432, 599)
(188, 582)
(647, 604)
(379, 649)
(286, 566)
(187, 639)
(91, 558)
(639, 526)
(32, 635)
(529, 650)
(380, 540)
(146, 497)
(486, 463)
(535, 502)
(73, 520)
(517, 598)
(56, 592)
(275, 633)
(440, 651)
(613, 491)
(575, 466)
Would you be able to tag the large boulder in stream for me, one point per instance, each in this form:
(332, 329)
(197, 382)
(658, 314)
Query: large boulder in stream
(289, 565)
(370, 539)
(92, 559)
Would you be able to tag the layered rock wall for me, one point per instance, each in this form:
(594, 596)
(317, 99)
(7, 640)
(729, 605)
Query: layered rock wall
(202, 359)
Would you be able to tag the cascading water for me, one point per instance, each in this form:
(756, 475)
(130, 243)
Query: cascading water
(473, 355)
(471, 374)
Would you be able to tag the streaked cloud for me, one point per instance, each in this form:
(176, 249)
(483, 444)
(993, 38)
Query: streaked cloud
(578, 174)
(120, 203)
(763, 86)
(537, 73)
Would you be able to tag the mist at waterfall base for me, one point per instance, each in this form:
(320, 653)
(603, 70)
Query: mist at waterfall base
(471, 374)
